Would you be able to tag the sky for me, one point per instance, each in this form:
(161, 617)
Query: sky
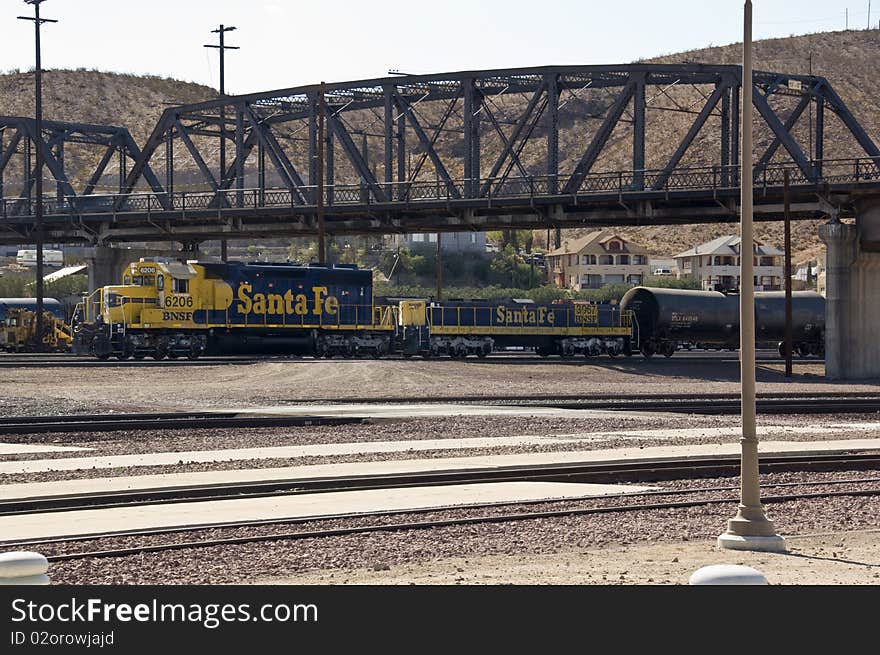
(285, 43)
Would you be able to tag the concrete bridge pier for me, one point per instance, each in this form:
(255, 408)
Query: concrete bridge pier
(106, 263)
(852, 310)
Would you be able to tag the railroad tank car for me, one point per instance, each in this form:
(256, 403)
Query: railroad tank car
(459, 328)
(665, 317)
(176, 308)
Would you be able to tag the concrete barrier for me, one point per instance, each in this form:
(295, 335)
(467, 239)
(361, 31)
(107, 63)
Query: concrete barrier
(732, 574)
(23, 567)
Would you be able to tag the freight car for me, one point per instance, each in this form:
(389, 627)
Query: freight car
(462, 328)
(183, 309)
(667, 317)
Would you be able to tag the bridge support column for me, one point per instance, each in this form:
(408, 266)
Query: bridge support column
(852, 348)
(106, 264)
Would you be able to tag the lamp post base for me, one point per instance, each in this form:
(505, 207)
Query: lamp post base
(751, 530)
(774, 544)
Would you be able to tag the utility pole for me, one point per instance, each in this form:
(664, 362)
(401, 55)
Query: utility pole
(787, 270)
(38, 116)
(223, 48)
(749, 529)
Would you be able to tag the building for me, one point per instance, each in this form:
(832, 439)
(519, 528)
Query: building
(597, 259)
(449, 242)
(716, 265)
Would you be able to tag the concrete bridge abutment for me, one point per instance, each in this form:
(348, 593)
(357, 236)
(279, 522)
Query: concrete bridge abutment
(852, 297)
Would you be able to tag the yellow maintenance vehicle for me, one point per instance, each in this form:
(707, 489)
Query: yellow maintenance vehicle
(18, 332)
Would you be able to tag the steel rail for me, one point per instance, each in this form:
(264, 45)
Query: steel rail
(584, 472)
(441, 523)
(122, 422)
(711, 404)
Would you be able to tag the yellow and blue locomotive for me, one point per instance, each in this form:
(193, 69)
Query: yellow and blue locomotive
(184, 309)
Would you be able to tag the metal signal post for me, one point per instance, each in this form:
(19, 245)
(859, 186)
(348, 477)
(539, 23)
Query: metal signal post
(787, 269)
(38, 213)
(319, 201)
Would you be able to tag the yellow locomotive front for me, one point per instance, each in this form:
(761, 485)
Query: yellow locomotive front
(151, 313)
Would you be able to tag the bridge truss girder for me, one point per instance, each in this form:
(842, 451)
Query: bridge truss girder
(97, 143)
(546, 147)
(376, 127)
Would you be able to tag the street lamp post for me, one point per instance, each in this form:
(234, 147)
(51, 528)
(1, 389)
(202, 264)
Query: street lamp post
(749, 529)
(223, 48)
(38, 119)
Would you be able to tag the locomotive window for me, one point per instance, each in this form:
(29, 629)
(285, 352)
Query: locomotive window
(149, 281)
(126, 280)
(160, 282)
(138, 280)
(181, 286)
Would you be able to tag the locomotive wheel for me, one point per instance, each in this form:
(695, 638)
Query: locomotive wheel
(612, 352)
(123, 356)
(668, 349)
(647, 351)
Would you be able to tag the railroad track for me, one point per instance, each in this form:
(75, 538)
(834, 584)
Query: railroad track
(162, 421)
(713, 404)
(77, 361)
(634, 502)
(73, 361)
(594, 473)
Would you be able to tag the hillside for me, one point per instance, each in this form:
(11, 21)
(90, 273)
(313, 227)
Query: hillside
(848, 59)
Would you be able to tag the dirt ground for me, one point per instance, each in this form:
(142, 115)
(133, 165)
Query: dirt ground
(846, 558)
(29, 390)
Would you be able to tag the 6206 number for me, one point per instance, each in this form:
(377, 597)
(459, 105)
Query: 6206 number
(178, 301)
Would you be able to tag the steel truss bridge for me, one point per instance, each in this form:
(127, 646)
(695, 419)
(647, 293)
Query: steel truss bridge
(545, 147)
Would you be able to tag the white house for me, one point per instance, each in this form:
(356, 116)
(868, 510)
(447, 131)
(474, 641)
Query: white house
(716, 265)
